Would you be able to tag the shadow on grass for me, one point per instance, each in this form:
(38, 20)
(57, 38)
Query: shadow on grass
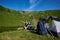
(34, 32)
(8, 28)
(51, 34)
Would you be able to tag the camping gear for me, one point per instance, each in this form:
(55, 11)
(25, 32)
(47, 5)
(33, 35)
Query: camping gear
(55, 27)
(46, 25)
(41, 28)
(29, 27)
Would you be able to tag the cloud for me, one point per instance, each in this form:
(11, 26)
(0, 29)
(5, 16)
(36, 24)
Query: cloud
(33, 3)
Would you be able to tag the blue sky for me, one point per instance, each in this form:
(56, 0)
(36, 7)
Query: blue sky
(31, 5)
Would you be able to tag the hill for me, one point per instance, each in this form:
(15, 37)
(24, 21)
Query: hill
(9, 17)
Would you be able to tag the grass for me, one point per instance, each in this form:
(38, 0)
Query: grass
(11, 19)
(24, 35)
(11, 28)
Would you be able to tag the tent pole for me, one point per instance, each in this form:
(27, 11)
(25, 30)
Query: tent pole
(51, 34)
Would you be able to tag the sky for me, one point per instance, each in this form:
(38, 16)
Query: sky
(31, 5)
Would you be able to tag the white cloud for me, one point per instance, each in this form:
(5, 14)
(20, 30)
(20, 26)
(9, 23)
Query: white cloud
(33, 3)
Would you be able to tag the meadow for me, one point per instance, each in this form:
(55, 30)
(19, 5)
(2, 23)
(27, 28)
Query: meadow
(10, 20)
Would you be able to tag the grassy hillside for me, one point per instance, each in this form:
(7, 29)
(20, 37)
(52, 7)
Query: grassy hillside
(25, 35)
(11, 19)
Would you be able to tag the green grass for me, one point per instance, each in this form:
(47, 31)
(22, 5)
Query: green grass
(24, 35)
(9, 17)
(11, 28)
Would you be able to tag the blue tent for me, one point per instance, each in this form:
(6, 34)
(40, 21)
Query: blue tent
(41, 28)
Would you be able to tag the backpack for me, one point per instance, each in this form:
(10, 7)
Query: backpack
(41, 28)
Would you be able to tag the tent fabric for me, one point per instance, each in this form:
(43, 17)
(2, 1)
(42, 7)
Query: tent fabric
(57, 24)
(55, 27)
(46, 25)
(57, 19)
(41, 28)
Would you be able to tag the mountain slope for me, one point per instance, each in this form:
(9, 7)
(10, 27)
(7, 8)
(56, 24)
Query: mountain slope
(9, 17)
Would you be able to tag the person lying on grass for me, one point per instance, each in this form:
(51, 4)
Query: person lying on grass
(28, 26)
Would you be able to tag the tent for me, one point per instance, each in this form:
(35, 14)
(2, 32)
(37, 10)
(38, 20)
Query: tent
(55, 27)
(41, 28)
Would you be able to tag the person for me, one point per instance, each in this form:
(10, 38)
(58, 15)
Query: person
(25, 25)
(29, 26)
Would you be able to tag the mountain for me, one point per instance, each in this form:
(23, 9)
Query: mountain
(9, 17)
